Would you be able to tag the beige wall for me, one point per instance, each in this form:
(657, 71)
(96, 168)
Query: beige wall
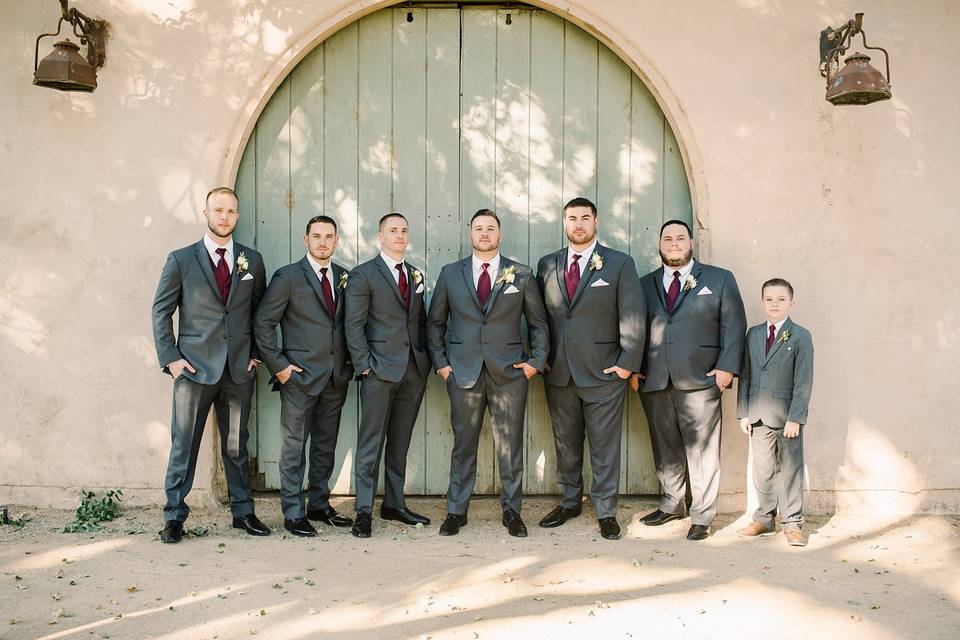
(854, 205)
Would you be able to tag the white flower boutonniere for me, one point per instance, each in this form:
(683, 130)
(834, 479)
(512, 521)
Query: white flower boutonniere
(242, 263)
(596, 262)
(417, 276)
(507, 275)
(785, 335)
(343, 281)
(689, 282)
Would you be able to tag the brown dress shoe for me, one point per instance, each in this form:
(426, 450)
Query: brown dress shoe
(755, 530)
(796, 537)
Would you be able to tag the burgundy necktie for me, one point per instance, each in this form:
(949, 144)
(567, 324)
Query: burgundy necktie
(222, 273)
(771, 336)
(673, 292)
(572, 277)
(404, 289)
(327, 292)
(483, 284)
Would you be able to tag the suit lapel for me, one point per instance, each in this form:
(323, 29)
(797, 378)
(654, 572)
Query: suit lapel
(385, 272)
(561, 271)
(778, 342)
(314, 281)
(338, 272)
(412, 289)
(204, 258)
(658, 287)
(695, 272)
(235, 274)
(587, 278)
(466, 270)
(498, 284)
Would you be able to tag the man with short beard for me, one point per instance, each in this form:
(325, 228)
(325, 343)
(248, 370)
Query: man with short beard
(695, 339)
(596, 313)
(216, 285)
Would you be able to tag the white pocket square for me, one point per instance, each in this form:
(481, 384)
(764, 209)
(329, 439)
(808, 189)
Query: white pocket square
(420, 288)
(704, 292)
(511, 289)
(600, 283)
(248, 276)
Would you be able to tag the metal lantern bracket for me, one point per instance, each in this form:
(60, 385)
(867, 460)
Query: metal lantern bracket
(835, 42)
(92, 33)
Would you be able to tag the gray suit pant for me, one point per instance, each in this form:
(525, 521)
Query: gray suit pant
(316, 417)
(685, 432)
(598, 413)
(191, 406)
(507, 404)
(388, 413)
(778, 476)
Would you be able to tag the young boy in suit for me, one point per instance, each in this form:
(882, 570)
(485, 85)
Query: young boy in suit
(775, 384)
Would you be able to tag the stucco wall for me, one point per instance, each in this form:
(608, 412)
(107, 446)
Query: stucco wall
(854, 205)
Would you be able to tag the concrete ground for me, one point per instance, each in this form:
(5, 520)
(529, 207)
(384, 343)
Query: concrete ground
(872, 578)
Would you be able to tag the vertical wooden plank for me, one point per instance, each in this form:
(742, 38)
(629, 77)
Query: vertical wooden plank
(273, 242)
(478, 111)
(340, 198)
(646, 215)
(676, 191)
(444, 227)
(580, 113)
(613, 175)
(546, 228)
(409, 177)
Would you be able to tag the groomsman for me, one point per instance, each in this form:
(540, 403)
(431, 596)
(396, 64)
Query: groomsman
(696, 325)
(215, 284)
(596, 314)
(475, 342)
(386, 335)
(311, 371)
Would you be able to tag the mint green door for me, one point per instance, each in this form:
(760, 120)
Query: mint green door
(437, 117)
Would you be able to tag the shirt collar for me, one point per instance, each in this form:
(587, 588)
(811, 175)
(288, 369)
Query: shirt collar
(586, 253)
(213, 246)
(391, 263)
(684, 270)
(494, 263)
(317, 266)
(777, 326)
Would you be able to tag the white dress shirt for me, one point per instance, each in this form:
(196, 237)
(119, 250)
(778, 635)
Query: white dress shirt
(584, 260)
(494, 263)
(329, 267)
(668, 274)
(392, 266)
(777, 326)
(214, 256)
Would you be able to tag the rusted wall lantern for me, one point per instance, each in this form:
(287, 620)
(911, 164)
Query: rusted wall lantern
(65, 69)
(858, 82)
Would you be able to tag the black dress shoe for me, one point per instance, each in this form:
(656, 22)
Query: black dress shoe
(657, 518)
(362, 525)
(451, 525)
(403, 515)
(251, 524)
(329, 516)
(698, 532)
(172, 531)
(513, 523)
(560, 515)
(300, 527)
(609, 528)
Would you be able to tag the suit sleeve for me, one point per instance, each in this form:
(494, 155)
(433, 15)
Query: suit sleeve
(269, 313)
(802, 381)
(259, 287)
(538, 328)
(733, 327)
(437, 324)
(743, 384)
(633, 318)
(356, 300)
(165, 302)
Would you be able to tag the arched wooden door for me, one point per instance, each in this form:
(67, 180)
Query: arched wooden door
(437, 117)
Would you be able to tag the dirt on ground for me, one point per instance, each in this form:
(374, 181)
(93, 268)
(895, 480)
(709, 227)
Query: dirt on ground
(860, 577)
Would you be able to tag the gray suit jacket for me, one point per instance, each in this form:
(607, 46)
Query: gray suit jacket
(212, 333)
(775, 387)
(704, 332)
(465, 335)
(602, 326)
(312, 340)
(380, 333)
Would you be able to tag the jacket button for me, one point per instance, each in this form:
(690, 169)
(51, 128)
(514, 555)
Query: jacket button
(484, 323)
(670, 321)
(331, 353)
(224, 336)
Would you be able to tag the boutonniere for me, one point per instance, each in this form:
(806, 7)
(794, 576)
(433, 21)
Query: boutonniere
(689, 282)
(785, 335)
(242, 263)
(417, 276)
(507, 275)
(596, 262)
(343, 281)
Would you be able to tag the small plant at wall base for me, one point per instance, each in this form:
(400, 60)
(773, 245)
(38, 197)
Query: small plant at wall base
(17, 522)
(92, 511)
